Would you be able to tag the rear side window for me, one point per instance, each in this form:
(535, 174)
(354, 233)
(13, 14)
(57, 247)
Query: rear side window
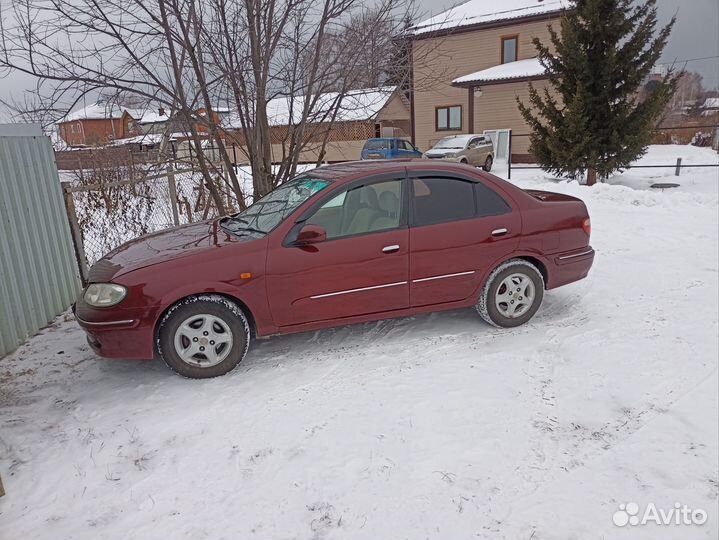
(489, 202)
(438, 200)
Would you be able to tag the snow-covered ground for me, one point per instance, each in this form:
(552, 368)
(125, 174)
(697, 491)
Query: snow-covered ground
(428, 427)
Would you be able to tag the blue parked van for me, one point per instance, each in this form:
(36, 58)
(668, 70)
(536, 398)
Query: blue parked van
(389, 148)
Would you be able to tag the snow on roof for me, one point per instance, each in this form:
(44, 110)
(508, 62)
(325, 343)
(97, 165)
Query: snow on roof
(511, 70)
(356, 105)
(96, 111)
(711, 103)
(485, 11)
(147, 139)
(148, 117)
(107, 111)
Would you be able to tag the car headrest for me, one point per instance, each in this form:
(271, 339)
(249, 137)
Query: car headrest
(388, 202)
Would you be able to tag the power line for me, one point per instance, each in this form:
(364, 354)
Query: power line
(687, 60)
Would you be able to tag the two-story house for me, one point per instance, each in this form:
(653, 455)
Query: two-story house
(470, 63)
(96, 124)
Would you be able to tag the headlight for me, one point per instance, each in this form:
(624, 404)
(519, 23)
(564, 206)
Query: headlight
(104, 294)
(450, 154)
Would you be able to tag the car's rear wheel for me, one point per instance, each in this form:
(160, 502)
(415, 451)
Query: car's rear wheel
(488, 164)
(203, 336)
(512, 294)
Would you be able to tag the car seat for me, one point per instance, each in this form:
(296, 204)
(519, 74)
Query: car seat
(389, 212)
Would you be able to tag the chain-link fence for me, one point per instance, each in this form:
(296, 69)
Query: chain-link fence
(110, 206)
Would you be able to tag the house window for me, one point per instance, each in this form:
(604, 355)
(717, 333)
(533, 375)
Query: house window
(509, 49)
(448, 118)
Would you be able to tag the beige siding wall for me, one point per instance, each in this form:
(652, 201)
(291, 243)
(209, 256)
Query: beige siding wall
(437, 61)
(496, 108)
(395, 109)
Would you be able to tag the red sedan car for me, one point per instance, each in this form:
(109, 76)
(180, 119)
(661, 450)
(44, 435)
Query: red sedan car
(340, 244)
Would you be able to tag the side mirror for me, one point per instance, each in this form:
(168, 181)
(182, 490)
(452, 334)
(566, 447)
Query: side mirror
(311, 234)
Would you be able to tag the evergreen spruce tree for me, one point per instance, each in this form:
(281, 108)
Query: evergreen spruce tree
(589, 119)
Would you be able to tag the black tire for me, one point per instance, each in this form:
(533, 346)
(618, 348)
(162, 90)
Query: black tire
(463, 161)
(226, 320)
(488, 164)
(487, 306)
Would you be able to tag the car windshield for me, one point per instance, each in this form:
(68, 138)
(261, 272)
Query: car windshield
(265, 214)
(452, 142)
(377, 144)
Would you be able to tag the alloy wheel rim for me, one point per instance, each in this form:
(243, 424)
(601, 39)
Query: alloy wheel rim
(515, 296)
(203, 340)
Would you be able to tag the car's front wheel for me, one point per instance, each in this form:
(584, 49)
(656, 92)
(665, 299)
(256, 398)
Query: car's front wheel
(203, 336)
(512, 294)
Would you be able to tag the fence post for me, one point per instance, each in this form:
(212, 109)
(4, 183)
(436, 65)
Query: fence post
(75, 231)
(172, 186)
(679, 167)
(509, 156)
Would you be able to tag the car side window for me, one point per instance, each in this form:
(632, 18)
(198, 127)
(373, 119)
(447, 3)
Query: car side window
(361, 210)
(489, 202)
(438, 200)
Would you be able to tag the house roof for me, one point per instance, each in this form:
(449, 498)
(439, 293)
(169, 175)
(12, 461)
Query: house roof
(108, 111)
(711, 103)
(356, 105)
(95, 111)
(474, 12)
(519, 70)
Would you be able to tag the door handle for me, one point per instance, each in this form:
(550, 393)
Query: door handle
(390, 249)
(500, 232)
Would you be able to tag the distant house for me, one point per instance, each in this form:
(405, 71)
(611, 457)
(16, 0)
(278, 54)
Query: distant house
(105, 123)
(95, 125)
(710, 106)
(471, 62)
(362, 114)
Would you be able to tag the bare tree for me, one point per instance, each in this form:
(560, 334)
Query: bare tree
(190, 56)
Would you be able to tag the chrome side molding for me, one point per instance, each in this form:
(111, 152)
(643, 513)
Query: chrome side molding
(348, 291)
(443, 276)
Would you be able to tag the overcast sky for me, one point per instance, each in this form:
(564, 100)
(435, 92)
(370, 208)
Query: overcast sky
(695, 36)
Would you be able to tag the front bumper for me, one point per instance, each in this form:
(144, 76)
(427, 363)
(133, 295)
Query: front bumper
(454, 159)
(117, 333)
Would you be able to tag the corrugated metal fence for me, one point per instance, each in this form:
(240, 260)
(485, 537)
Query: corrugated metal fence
(39, 278)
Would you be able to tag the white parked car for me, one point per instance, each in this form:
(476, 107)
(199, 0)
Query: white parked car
(474, 149)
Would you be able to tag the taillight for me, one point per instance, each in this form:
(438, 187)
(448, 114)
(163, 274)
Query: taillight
(587, 226)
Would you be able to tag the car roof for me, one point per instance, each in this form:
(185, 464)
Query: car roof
(351, 170)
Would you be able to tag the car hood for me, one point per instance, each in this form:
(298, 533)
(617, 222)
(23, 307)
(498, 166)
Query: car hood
(160, 247)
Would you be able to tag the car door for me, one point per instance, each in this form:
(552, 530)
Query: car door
(361, 268)
(472, 151)
(485, 148)
(459, 230)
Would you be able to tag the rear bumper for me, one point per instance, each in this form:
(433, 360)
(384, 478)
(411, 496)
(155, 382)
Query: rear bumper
(116, 333)
(570, 266)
